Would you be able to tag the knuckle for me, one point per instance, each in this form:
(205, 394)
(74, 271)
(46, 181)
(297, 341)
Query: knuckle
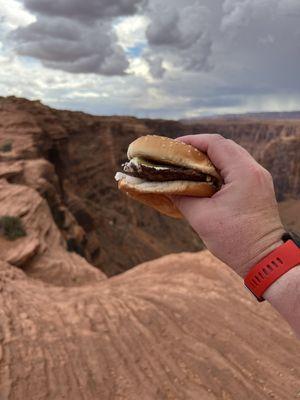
(256, 169)
(217, 137)
(259, 173)
(267, 174)
(232, 142)
(232, 145)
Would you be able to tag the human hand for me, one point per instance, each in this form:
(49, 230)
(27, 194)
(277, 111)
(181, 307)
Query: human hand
(240, 224)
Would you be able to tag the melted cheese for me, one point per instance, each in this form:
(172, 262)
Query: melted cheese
(142, 161)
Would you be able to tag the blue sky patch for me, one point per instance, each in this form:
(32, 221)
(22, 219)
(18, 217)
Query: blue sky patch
(135, 51)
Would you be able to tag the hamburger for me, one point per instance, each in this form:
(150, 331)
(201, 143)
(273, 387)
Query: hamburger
(160, 167)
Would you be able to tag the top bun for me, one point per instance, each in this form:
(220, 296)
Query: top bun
(170, 151)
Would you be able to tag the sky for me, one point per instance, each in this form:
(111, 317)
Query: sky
(152, 58)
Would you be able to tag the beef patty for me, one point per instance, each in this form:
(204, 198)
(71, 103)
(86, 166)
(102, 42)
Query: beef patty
(167, 173)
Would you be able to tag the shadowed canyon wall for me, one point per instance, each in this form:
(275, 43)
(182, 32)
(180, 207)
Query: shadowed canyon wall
(70, 158)
(178, 327)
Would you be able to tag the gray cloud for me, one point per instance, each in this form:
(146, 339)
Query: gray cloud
(63, 44)
(163, 29)
(243, 48)
(74, 35)
(180, 33)
(206, 55)
(156, 68)
(290, 8)
(83, 10)
(262, 46)
(177, 27)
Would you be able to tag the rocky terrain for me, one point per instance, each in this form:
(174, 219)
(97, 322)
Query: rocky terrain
(271, 115)
(290, 211)
(179, 327)
(275, 144)
(70, 159)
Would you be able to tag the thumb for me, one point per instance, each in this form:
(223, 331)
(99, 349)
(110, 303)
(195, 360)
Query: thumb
(191, 207)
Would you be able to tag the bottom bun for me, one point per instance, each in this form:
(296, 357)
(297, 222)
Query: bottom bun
(155, 194)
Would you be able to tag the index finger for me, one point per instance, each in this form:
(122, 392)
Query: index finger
(225, 154)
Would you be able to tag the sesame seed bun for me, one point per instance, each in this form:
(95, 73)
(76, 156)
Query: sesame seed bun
(156, 194)
(167, 151)
(170, 151)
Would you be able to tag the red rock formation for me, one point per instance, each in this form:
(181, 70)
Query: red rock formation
(77, 156)
(290, 211)
(275, 144)
(71, 158)
(180, 327)
(42, 253)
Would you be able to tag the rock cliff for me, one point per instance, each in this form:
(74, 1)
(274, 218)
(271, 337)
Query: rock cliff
(43, 252)
(275, 144)
(70, 159)
(179, 327)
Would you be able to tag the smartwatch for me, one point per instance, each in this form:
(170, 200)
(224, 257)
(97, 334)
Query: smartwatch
(274, 265)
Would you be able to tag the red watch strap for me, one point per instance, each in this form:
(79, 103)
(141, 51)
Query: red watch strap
(272, 267)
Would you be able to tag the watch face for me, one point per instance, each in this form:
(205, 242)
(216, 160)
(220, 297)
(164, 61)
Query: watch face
(291, 236)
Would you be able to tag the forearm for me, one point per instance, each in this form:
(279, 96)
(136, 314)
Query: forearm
(284, 295)
(240, 224)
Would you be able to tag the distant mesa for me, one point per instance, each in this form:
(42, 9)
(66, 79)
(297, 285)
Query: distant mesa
(286, 115)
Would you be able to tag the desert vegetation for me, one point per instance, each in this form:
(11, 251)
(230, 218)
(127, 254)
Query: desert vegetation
(11, 227)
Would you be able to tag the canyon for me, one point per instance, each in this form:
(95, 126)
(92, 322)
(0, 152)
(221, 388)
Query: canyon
(92, 302)
(70, 159)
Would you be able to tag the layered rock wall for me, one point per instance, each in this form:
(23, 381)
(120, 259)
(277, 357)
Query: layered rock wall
(71, 158)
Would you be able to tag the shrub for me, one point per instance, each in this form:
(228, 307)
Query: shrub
(74, 247)
(6, 146)
(11, 227)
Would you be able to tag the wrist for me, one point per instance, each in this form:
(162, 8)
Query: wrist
(283, 286)
(262, 249)
(283, 294)
(278, 263)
